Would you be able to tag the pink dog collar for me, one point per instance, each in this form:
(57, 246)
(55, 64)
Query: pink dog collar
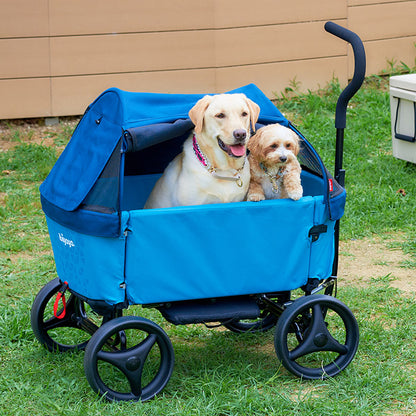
(198, 152)
(214, 171)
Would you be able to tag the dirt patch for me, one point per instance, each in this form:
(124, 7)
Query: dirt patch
(13, 132)
(361, 261)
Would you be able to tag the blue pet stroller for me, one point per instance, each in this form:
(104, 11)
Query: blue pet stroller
(110, 253)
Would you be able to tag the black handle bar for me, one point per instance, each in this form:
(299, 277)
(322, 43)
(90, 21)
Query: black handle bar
(359, 70)
(341, 109)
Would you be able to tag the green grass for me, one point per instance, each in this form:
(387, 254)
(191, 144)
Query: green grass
(218, 372)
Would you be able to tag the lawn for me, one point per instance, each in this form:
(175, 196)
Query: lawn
(218, 372)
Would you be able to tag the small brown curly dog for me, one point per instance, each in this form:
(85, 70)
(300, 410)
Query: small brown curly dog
(274, 167)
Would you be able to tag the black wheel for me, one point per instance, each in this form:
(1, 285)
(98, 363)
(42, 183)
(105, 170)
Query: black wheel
(129, 358)
(316, 337)
(61, 334)
(257, 325)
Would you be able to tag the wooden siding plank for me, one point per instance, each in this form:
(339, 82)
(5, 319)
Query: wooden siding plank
(274, 78)
(24, 57)
(25, 98)
(234, 13)
(24, 18)
(131, 16)
(77, 17)
(71, 95)
(275, 44)
(367, 2)
(85, 55)
(380, 52)
(383, 21)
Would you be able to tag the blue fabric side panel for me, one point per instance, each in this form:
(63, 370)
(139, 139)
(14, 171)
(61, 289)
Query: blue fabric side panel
(323, 249)
(82, 161)
(218, 250)
(83, 221)
(92, 266)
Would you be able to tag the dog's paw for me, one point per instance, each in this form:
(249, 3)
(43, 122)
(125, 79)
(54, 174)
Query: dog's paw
(255, 197)
(295, 194)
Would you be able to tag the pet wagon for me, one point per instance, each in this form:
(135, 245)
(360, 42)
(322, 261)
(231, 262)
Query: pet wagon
(110, 253)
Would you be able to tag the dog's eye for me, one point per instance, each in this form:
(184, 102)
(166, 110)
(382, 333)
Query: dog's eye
(220, 115)
(288, 145)
(244, 114)
(273, 146)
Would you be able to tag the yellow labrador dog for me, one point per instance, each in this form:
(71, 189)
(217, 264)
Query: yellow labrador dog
(213, 166)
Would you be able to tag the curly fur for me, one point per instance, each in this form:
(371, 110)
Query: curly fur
(274, 167)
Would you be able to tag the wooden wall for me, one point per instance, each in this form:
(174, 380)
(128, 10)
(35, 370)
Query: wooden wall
(58, 55)
(388, 30)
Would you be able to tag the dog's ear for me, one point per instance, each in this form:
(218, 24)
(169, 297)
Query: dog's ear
(297, 143)
(196, 113)
(254, 112)
(254, 143)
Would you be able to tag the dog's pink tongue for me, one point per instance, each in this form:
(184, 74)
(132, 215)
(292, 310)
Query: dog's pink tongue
(238, 150)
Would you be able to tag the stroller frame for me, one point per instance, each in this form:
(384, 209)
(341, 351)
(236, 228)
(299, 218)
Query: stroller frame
(305, 318)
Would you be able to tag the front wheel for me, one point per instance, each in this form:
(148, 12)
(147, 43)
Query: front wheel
(129, 358)
(316, 337)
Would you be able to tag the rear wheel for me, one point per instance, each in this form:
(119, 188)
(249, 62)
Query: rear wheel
(316, 337)
(63, 334)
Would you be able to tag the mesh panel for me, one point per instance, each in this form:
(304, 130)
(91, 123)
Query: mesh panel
(103, 197)
(308, 159)
(311, 162)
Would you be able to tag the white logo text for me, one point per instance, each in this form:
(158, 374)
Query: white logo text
(67, 242)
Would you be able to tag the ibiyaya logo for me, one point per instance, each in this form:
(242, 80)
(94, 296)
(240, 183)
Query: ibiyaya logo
(67, 242)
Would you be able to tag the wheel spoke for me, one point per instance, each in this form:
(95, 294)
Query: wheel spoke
(322, 334)
(318, 321)
(335, 346)
(67, 320)
(53, 323)
(131, 361)
(318, 338)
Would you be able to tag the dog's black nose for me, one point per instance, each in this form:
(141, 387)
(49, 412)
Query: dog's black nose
(239, 134)
(283, 159)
